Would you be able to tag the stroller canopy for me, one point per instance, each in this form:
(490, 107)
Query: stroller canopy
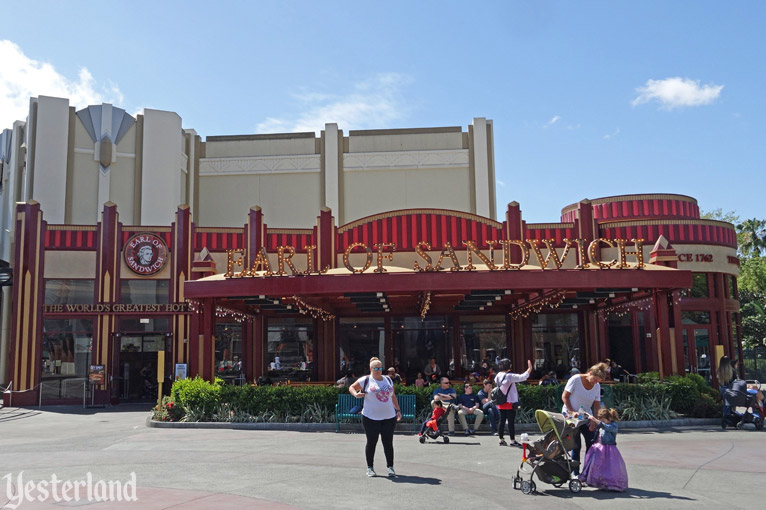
(548, 421)
(563, 428)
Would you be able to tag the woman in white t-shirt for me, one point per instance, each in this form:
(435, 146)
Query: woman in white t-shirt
(379, 414)
(583, 391)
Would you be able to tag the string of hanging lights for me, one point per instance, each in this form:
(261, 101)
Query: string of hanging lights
(550, 301)
(307, 309)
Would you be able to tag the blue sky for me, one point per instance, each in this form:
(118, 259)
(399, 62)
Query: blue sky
(588, 99)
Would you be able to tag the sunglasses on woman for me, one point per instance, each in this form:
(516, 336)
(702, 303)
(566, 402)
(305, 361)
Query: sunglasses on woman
(377, 369)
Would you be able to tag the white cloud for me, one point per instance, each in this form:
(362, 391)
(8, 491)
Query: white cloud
(22, 77)
(374, 103)
(551, 122)
(677, 92)
(611, 135)
(501, 183)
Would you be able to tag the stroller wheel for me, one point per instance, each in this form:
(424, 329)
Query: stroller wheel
(446, 440)
(740, 425)
(759, 424)
(527, 487)
(422, 439)
(575, 486)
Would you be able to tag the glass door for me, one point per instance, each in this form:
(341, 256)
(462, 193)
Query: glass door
(702, 348)
(137, 366)
(697, 351)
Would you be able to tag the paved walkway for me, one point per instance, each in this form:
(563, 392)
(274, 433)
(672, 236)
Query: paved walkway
(698, 467)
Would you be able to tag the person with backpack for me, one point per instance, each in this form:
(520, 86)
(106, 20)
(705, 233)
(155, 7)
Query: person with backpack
(379, 415)
(505, 397)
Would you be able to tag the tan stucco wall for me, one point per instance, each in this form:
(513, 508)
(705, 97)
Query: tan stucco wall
(84, 207)
(289, 200)
(371, 192)
(70, 264)
(265, 147)
(410, 140)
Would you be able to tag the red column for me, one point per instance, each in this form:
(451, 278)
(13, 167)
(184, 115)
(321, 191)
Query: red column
(255, 234)
(514, 229)
(456, 350)
(662, 313)
(202, 340)
(28, 293)
(324, 350)
(207, 337)
(678, 331)
(652, 355)
(248, 347)
(181, 271)
(326, 234)
(107, 292)
(257, 346)
(636, 343)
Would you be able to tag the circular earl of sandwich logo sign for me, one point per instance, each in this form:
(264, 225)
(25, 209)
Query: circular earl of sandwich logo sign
(145, 254)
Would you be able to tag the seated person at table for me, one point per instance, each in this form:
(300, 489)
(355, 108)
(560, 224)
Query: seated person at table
(469, 403)
(549, 379)
(432, 370)
(447, 395)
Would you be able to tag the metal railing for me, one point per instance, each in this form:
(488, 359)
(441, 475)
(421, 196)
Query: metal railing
(10, 393)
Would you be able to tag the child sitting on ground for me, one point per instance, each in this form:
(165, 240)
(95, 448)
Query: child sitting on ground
(432, 422)
(604, 467)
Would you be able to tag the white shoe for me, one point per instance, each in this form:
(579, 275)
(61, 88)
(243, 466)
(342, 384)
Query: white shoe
(370, 472)
(391, 472)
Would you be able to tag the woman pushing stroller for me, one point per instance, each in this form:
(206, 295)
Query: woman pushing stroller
(582, 395)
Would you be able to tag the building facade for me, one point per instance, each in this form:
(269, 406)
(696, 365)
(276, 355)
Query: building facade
(297, 257)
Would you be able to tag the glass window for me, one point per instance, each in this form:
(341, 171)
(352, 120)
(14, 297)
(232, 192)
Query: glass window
(699, 286)
(556, 340)
(228, 350)
(144, 324)
(65, 357)
(695, 317)
(144, 292)
(69, 292)
(359, 340)
(418, 340)
(290, 349)
(731, 284)
(482, 343)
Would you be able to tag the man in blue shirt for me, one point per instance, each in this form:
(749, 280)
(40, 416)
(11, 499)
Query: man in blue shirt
(447, 395)
(469, 403)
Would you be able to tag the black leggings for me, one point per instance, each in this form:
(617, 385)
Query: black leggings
(384, 429)
(508, 415)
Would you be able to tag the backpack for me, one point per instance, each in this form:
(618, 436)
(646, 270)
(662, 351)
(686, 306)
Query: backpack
(496, 396)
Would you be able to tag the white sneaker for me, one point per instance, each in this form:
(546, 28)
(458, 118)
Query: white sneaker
(370, 472)
(391, 472)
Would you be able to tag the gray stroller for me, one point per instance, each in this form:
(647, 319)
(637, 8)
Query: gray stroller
(548, 458)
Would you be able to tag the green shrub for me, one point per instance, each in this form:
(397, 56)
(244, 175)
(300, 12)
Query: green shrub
(647, 377)
(167, 411)
(706, 407)
(198, 400)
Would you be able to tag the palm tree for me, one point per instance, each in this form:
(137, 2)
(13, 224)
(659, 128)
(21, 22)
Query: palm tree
(752, 237)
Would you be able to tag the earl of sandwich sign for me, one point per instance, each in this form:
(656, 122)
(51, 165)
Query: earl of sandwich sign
(587, 254)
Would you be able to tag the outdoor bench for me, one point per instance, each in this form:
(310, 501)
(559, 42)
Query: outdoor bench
(346, 402)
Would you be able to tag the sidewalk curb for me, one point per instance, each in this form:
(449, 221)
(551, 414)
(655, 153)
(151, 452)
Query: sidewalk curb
(407, 427)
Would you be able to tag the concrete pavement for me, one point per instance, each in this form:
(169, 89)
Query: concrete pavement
(694, 467)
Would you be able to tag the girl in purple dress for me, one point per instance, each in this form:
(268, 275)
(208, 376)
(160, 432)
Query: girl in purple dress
(604, 467)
